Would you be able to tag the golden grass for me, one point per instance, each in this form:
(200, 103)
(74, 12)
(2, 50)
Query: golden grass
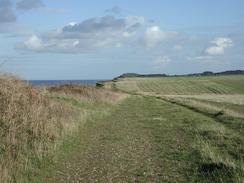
(205, 105)
(29, 124)
(88, 94)
(33, 123)
(209, 102)
(232, 99)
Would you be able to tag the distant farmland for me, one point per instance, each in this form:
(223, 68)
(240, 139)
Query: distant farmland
(183, 85)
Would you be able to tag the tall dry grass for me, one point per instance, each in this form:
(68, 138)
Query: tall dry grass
(30, 126)
(88, 94)
(33, 124)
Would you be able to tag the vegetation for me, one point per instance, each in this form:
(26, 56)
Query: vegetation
(206, 73)
(214, 114)
(184, 85)
(145, 139)
(174, 129)
(35, 122)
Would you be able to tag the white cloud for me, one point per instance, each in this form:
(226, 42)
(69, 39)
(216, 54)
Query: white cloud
(154, 36)
(105, 24)
(215, 50)
(72, 24)
(222, 42)
(90, 34)
(38, 44)
(34, 43)
(219, 45)
(96, 33)
(134, 21)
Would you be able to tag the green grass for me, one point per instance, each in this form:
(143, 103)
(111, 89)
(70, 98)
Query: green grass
(184, 85)
(144, 139)
(72, 101)
(35, 122)
(208, 116)
(169, 131)
(225, 106)
(88, 112)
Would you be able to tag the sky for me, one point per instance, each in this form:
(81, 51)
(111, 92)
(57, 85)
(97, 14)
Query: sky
(70, 39)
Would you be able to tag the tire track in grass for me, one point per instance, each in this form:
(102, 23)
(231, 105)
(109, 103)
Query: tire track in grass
(144, 139)
(136, 143)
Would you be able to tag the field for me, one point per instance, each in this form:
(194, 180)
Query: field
(219, 138)
(183, 85)
(177, 129)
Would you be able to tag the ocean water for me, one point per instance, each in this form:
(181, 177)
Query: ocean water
(48, 83)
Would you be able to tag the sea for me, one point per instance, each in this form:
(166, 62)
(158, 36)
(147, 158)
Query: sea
(50, 83)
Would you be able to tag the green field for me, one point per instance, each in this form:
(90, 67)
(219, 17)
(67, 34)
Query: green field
(184, 85)
(218, 133)
(176, 129)
(144, 139)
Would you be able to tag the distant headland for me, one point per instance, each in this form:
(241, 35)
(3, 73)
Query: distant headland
(206, 73)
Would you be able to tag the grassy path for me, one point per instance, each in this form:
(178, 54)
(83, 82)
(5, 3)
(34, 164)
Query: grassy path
(142, 140)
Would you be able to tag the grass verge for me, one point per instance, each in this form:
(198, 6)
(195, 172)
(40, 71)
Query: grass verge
(34, 123)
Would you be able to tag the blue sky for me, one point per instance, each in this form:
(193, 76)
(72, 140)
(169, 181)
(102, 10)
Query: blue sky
(60, 39)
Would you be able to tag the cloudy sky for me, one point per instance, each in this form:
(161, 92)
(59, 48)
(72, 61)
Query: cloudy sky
(69, 39)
